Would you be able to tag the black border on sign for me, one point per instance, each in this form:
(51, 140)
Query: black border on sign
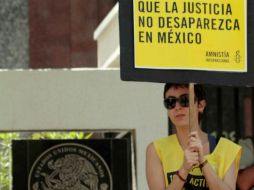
(130, 73)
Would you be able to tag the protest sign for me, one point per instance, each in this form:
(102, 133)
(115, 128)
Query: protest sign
(187, 41)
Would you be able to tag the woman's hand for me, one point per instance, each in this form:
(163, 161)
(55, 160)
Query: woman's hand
(195, 144)
(191, 158)
(193, 154)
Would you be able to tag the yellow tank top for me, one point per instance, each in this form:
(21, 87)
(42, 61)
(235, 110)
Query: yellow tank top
(171, 155)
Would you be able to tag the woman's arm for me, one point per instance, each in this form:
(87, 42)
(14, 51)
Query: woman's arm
(215, 183)
(154, 170)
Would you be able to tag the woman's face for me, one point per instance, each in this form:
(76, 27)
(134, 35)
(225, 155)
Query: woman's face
(179, 115)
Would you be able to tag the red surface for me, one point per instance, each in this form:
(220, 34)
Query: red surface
(61, 32)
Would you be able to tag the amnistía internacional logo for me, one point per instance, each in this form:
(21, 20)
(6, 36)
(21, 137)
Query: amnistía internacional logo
(70, 166)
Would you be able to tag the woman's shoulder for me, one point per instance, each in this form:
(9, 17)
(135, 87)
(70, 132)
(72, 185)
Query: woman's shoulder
(168, 139)
(226, 153)
(161, 146)
(165, 142)
(227, 147)
(224, 142)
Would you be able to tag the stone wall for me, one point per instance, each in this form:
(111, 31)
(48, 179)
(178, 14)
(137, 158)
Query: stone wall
(14, 34)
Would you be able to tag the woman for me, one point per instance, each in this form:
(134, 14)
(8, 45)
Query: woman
(190, 160)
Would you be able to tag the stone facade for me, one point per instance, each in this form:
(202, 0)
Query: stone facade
(14, 32)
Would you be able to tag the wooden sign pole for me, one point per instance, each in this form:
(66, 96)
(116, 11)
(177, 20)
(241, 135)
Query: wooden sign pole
(192, 115)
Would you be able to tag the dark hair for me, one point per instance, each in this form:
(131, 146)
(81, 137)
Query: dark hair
(198, 89)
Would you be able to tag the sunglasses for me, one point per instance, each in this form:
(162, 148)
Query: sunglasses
(170, 102)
